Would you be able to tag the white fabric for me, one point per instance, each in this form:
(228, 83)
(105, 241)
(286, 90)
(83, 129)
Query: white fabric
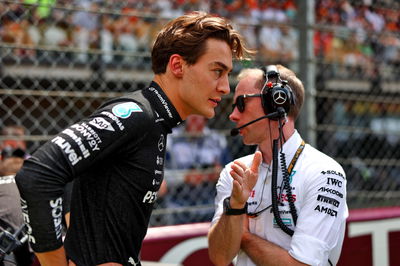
(320, 200)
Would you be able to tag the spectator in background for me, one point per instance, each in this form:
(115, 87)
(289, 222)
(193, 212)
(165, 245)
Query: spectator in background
(14, 27)
(13, 153)
(195, 155)
(86, 28)
(107, 38)
(125, 34)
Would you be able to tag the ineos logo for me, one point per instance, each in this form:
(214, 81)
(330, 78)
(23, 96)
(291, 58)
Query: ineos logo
(279, 97)
(161, 143)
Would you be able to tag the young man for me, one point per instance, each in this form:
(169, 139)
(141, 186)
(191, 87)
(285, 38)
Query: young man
(254, 218)
(116, 155)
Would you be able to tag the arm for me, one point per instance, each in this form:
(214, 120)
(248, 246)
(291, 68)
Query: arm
(55, 257)
(263, 252)
(224, 239)
(225, 236)
(42, 179)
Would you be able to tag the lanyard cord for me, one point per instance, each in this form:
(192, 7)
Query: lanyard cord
(296, 157)
(286, 178)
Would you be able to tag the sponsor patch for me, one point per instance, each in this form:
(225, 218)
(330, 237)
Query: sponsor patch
(68, 150)
(56, 212)
(114, 118)
(160, 160)
(163, 101)
(124, 110)
(326, 210)
(285, 197)
(334, 182)
(25, 215)
(286, 221)
(331, 191)
(332, 172)
(101, 123)
(161, 143)
(328, 200)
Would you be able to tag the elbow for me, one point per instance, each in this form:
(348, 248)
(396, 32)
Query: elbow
(21, 180)
(26, 183)
(218, 257)
(218, 260)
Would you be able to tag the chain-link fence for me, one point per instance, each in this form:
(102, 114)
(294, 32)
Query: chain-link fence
(61, 59)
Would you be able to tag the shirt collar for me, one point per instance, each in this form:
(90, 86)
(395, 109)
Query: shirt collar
(165, 111)
(291, 145)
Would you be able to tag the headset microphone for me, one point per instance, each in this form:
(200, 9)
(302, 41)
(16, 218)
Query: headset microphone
(279, 113)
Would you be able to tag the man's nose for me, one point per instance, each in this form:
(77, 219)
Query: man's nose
(223, 86)
(235, 115)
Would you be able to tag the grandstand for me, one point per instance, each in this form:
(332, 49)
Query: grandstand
(61, 59)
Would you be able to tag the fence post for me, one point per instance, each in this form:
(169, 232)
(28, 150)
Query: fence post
(306, 122)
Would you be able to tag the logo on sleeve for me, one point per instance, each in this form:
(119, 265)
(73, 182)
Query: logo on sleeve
(124, 110)
(101, 123)
(328, 200)
(334, 182)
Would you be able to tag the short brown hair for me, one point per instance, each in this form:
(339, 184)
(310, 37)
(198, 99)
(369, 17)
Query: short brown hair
(286, 74)
(187, 35)
(297, 88)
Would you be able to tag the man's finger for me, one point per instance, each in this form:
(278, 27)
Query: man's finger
(256, 162)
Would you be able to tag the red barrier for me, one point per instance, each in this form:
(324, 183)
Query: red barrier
(372, 238)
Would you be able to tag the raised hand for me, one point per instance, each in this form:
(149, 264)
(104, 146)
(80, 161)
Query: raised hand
(244, 179)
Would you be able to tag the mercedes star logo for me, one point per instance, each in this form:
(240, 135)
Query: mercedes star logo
(161, 143)
(279, 97)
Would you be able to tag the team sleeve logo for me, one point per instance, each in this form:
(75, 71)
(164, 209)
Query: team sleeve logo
(124, 110)
(101, 123)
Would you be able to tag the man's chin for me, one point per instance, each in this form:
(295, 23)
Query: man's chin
(208, 113)
(247, 141)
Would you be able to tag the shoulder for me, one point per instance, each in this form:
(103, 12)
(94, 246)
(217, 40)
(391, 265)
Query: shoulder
(317, 164)
(320, 160)
(130, 110)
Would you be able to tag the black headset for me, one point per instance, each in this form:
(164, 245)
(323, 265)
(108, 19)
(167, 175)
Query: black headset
(275, 92)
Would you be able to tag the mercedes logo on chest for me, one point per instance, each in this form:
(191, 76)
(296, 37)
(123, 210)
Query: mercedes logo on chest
(161, 143)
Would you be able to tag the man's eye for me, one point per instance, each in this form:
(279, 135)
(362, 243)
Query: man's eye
(218, 72)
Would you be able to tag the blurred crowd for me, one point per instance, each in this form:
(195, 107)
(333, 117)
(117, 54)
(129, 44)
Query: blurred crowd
(359, 34)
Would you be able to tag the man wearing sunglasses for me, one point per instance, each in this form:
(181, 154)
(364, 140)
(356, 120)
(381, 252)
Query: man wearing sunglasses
(245, 223)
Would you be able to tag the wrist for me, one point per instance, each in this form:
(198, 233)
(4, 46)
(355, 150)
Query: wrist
(236, 204)
(229, 210)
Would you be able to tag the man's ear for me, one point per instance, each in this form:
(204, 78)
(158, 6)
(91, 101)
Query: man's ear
(175, 64)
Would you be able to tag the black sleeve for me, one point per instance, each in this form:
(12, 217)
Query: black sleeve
(75, 150)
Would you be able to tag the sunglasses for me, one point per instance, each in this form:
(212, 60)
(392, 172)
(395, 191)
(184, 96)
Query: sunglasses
(240, 101)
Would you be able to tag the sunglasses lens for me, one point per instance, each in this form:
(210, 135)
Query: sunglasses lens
(240, 104)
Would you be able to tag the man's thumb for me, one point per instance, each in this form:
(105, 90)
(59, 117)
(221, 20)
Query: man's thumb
(256, 162)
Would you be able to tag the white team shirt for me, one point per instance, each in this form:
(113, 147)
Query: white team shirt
(319, 189)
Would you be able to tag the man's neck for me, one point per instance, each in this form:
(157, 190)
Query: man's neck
(170, 86)
(266, 146)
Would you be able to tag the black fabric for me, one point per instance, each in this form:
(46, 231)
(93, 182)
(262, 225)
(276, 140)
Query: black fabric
(115, 157)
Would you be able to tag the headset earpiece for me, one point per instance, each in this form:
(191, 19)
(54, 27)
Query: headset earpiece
(276, 92)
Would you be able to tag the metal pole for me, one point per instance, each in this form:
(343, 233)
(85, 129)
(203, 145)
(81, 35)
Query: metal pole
(306, 122)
